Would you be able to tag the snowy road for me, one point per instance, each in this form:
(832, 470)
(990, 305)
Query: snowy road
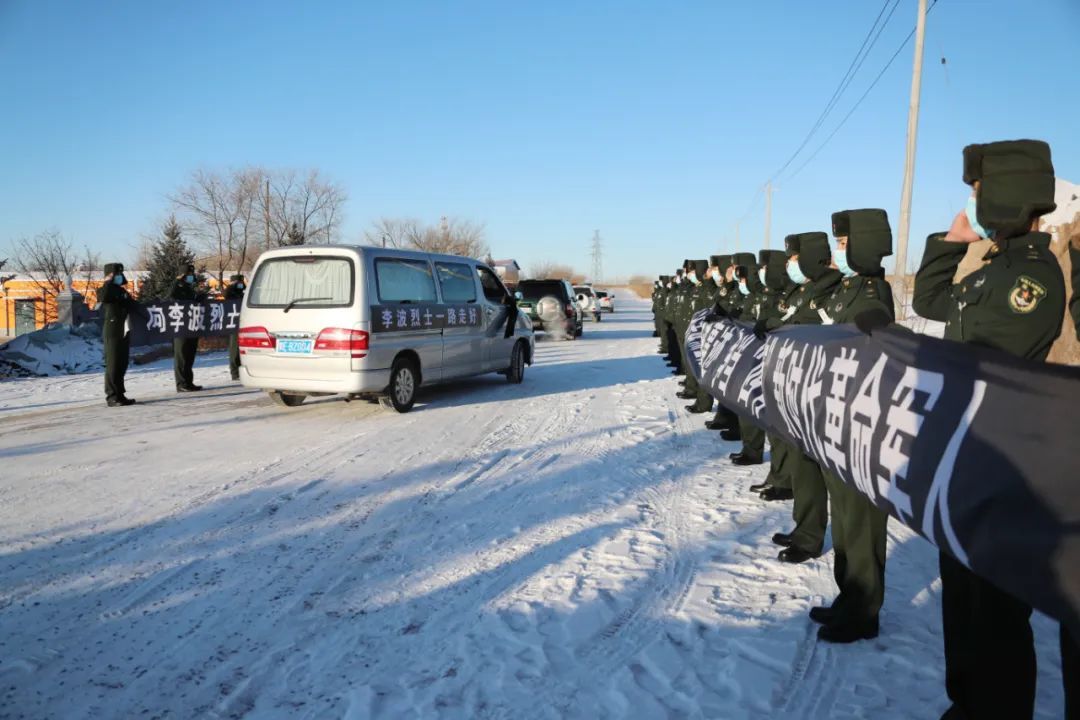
(576, 546)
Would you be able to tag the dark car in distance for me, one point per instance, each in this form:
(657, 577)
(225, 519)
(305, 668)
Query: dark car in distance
(552, 307)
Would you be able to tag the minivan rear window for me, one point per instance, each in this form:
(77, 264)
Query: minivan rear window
(404, 281)
(303, 281)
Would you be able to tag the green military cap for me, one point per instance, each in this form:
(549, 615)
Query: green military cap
(776, 276)
(236, 278)
(665, 278)
(763, 256)
(723, 261)
(714, 260)
(113, 268)
(869, 238)
(791, 245)
(1016, 183)
(700, 266)
(814, 253)
(190, 269)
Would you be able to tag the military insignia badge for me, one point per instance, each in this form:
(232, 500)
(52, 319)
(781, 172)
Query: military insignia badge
(1025, 295)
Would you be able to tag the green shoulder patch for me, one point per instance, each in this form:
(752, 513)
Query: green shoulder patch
(1025, 295)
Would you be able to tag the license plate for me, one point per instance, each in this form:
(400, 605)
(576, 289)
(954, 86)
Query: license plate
(295, 347)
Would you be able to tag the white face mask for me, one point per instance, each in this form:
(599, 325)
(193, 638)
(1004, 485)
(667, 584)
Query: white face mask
(761, 275)
(692, 277)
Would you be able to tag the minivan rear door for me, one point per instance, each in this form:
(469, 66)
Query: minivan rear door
(294, 300)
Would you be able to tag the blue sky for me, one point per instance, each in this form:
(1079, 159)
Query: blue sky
(652, 122)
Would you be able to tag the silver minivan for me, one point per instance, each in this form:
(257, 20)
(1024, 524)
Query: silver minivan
(375, 323)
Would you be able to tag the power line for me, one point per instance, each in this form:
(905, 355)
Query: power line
(844, 81)
(849, 75)
(860, 100)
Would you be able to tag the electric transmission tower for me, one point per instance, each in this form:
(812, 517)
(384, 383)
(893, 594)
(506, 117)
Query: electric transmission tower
(597, 257)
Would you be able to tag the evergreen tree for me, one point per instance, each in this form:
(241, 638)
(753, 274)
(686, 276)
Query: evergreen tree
(171, 256)
(295, 236)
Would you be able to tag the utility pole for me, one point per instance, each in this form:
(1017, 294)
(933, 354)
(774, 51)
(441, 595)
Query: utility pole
(266, 213)
(909, 160)
(597, 257)
(768, 212)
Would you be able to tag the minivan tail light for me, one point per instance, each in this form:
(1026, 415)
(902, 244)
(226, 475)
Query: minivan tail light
(353, 341)
(255, 337)
(569, 311)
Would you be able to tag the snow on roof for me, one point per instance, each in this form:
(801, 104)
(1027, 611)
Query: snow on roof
(1067, 197)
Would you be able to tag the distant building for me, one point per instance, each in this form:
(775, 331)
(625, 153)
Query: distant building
(508, 271)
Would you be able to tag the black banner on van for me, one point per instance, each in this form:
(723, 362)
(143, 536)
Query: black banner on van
(166, 321)
(424, 316)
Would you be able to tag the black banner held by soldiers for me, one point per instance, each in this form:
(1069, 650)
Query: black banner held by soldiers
(166, 321)
(971, 448)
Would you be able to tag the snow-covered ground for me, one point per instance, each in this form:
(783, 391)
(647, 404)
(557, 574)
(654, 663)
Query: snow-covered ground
(574, 547)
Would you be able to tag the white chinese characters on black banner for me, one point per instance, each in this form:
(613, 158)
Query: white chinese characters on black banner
(970, 447)
(165, 321)
(427, 316)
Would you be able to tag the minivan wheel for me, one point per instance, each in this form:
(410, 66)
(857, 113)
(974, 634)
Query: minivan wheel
(403, 381)
(286, 399)
(516, 373)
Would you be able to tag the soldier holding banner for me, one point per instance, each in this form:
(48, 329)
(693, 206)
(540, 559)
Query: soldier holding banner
(702, 296)
(863, 239)
(759, 302)
(809, 268)
(1013, 303)
(184, 348)
(235, 291)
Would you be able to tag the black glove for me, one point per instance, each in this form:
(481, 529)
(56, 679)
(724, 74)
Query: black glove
(716, 314)
(760, 329)
(870, 320)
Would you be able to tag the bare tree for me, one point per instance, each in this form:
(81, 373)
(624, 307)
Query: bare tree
(547, 270)
(49, 260)
(392, 232)
(311, 203)
(220, 212)
(452, 236)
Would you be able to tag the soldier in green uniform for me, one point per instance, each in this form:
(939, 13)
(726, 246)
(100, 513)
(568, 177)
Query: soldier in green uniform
(1014, 303)
(759, 301)
(661, 300)
(184, 348)
(777, 484)
(116, 305)
(727, 303)
(656, 294)
(810, 269)
(235, 291)
(671, 305)
(678, 315)
(863, 239)
(700, 299)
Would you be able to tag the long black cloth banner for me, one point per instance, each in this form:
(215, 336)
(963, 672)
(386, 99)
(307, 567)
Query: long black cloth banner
(163, 322)
(972, 448)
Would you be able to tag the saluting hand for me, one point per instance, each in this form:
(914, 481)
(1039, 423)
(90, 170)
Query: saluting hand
(960, 231)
